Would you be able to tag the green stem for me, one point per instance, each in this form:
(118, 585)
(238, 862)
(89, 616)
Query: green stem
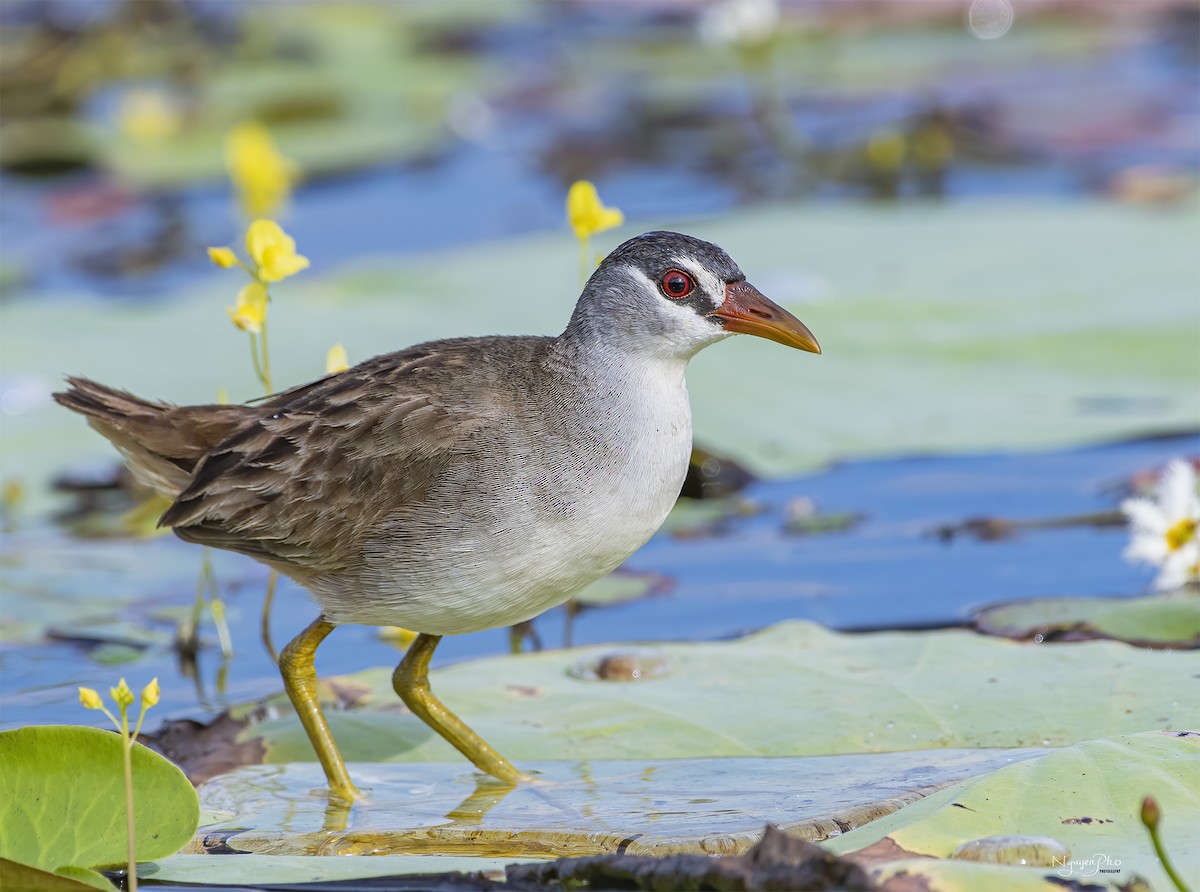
(1166, 864)
(265, 375)
(127, 746)
(584, 273)
(268, 599)
(258, 370)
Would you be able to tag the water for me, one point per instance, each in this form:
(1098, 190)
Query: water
(890, 570)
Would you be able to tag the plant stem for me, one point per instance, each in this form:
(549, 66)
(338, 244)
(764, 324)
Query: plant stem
(127, 746)
(265, 374)
(258, 369)
(1166, 864)
(584, 274)
(268, 599)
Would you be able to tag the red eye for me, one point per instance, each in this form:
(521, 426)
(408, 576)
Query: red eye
(676, 284)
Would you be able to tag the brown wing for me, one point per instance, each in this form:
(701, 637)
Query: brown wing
(323, 463)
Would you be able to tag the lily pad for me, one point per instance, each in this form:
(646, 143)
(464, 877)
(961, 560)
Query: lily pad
(363, 92)
(712, 806)
(792, 690)
(1087, 797)
(1170, 620)
(17, 876)
(254, 870)
(62, 795)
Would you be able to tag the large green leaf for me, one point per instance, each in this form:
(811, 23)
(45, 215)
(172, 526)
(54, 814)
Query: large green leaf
(974, 325)
(577, 808)
(18, 877)
(795, 689)
(1087, 797)
(254, 870)
(62, 795)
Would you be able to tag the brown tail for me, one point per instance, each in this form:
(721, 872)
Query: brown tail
(161, 442)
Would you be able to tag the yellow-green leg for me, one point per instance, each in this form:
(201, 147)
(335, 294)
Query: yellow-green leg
(300, 682)
(411, 681)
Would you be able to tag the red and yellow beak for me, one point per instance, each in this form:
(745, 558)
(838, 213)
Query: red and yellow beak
(747, 311)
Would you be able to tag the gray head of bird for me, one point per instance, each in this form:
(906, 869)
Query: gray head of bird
(670, 295)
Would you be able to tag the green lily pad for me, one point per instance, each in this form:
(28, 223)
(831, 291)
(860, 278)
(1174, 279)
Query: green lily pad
(622, 586)
(1171, 620)
(17, 876)
(363, 93)
(1087, 797)
(794, 689)
(62, 795)
(253, 870)
(714, 806)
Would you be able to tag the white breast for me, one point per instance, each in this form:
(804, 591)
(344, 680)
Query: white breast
(554, 517)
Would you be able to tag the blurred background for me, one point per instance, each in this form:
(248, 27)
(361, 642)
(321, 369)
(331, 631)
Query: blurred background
(985, 210)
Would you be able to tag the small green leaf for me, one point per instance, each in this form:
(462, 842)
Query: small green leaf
(62, 795)
(1171, 620)
(1087, 797)
(15, 876)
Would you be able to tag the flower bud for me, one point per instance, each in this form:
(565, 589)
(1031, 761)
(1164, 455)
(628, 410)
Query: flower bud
(150, 694)
(90, 699)
(121, 695)
(222, 257)
(1150, 812)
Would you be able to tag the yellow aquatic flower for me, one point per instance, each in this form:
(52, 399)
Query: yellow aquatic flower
(336, 359)
(90, 699)
(149, 116)
(222, 257)
(262, 176)
(150, 694)
(121, 695)
(273, 251)
(251, 310)
(586, 213)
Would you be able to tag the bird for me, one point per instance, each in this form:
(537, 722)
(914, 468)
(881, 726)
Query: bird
(460, 484)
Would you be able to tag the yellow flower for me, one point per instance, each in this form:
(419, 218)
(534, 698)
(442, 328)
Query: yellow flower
(148, 116)
(121, 694)
(251, 310)
(222, 257)
(90, 699)
(336, 359)
(586, 214)
(150, 694)
(273, 251)
(263, 177)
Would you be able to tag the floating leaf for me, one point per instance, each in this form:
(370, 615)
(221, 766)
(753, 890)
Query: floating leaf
(1170, 620)
(17, 876)
(1086, 796)
(715, 806)
(254, 870)
(62, 795)
(794, 689)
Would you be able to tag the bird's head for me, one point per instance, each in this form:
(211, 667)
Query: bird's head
(672, 294)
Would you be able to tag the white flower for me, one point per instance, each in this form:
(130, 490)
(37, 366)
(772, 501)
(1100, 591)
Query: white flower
(744, 22)
(1164, 529)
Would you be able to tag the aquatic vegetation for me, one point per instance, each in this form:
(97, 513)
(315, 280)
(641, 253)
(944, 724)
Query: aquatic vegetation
(1165, 528)
(62, 791)
(123, 698)
(336, 359)
(261, 174)
(588, 216)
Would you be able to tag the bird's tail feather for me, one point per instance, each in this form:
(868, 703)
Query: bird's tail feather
(160, 442)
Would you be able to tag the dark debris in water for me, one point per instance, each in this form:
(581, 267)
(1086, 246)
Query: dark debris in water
(203, 751)
(779, 861)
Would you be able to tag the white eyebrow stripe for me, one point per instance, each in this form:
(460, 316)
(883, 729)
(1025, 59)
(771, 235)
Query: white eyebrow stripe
(708, 283)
